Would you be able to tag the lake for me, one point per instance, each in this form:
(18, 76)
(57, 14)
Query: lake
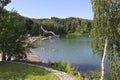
(76, 50)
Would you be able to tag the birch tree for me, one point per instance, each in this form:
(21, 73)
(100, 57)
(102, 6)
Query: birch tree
(106, 38)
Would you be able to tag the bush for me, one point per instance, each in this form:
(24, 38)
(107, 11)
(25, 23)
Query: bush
(69, 69)
(62, 66)
(57, 65)
(95, 75)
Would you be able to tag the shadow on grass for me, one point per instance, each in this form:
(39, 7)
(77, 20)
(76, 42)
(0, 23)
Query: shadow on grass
(18, 71)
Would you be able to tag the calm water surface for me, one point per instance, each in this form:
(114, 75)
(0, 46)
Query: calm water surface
(76, 50)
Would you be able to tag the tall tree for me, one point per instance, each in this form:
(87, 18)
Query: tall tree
(105, 29)
(12, 36)
(12, 33)
(3, 12)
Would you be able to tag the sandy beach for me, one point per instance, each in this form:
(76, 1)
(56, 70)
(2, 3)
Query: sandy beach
(32, 57)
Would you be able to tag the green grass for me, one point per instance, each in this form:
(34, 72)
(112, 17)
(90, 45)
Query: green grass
(17, 71)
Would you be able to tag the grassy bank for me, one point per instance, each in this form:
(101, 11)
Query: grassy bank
(72, 71)
(17, 71)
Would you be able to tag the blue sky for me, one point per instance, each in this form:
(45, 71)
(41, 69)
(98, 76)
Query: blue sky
(52, 8)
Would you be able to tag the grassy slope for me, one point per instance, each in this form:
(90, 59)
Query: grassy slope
(15, 71)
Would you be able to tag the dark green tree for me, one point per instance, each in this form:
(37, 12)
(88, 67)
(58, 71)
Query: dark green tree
(12, 33)
(3, 3)
(12, 36)
(29, 26)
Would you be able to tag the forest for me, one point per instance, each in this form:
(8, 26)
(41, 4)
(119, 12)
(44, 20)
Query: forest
(71, 25)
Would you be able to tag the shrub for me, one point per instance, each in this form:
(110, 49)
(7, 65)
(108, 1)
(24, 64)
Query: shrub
(95, 75)
(69, 69)
(57, 65)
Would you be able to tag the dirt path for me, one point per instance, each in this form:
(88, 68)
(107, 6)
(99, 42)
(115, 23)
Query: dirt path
(60, 74)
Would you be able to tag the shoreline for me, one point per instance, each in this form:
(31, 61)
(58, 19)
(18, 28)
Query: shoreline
(33, 57)
(30, 55)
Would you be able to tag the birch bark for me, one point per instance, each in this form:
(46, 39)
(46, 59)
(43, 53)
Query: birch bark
(103, 59)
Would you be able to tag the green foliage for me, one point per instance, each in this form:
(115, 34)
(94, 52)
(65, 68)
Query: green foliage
(62, 66)
(17, 71)
(106, 26)
(69, 69)
(32, 28)
(75, 26)
(66, 26)
(57, 65)
(95, 75)
(12, 33)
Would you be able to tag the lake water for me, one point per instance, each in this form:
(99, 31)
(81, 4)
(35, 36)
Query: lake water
(76, 50)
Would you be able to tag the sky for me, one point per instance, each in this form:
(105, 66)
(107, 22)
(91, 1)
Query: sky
(52, 8)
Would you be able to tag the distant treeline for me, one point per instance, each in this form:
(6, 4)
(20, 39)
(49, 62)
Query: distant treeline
(60, 26)
(71, 25)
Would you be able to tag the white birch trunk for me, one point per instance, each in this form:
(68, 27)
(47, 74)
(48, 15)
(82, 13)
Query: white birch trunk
(103, 59)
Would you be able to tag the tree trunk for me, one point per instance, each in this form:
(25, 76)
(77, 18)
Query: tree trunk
(3, 57)
(103, 59)
(9, 58)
